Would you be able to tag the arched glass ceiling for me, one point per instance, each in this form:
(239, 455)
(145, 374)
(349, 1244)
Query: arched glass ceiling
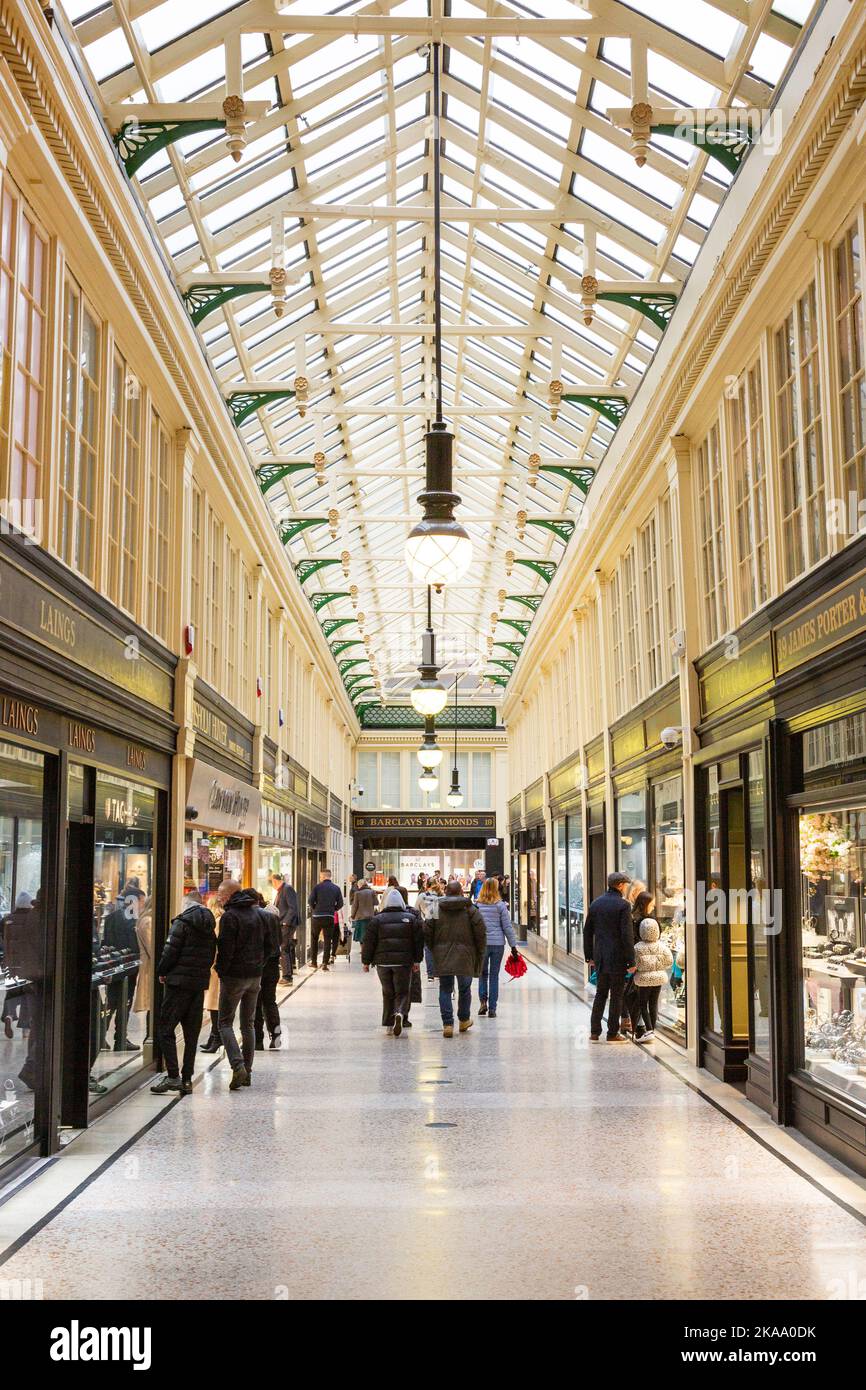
(525, 127)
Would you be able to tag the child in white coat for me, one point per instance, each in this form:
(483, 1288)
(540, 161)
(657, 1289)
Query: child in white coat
(652, 962)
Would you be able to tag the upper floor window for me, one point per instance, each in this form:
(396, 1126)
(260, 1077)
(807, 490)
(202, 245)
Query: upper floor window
(849, 359)
(711, 524)
(23, 355)
(649, 570)
(800, 438)
(159, 529)
(671, 615)
(79, 426)
(748, 471)
(617, 646)
(124, 488)
(633, 654)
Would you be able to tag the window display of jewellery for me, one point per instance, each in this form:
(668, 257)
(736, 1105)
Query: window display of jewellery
(839, 1037)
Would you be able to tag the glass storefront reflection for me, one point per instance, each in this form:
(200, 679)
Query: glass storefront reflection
(22, 948)
(121, 1040)
(668, 878)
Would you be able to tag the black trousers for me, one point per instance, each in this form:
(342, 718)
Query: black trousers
(395, 981)
(645, 1009)
(266, 1008)
(609, 983)
(184, 1007)
(288, 954)
(331, 935)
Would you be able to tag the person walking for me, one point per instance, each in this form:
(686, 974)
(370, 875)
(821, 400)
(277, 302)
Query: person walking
(653, 960)
(427, 904)
(497, 923)
(394, 943)
(608, 944)
(184, 969)
(267, 1011)
(362, 911)
(217, 903)
(394, 882)
(325, 902)
(457, 938)
(246, 941)
(286, 903)
(476, 885)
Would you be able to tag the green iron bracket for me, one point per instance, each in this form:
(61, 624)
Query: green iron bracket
(496, 678)
(528, 600)
(138, 141)
(298, 524)
(305, 568)
(243, 404)
(514, 647)
(356, 694)
(578, 477)
(352, 682)
(520, 624)
(346, 666)
(320, 600)
(546, 568)
(657, 307)
(269, 474)
(728, 144)
(201, 299)
(563, 529)
(331, 625)
(613, 408)
(338, 647)
(506, 665)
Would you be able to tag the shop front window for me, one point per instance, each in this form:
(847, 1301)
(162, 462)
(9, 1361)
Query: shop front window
(209, 857)
(631, 835)
(713, 929)
(760, 971)
(121, 1031)
(669, 886)
(541, 893)
(833, 897)
(23, 978)
(561, 915)
(575, 885)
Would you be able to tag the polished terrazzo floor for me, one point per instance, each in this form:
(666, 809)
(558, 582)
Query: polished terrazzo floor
(514, 1162)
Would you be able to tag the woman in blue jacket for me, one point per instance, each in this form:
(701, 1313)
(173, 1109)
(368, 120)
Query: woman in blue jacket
(499, 930)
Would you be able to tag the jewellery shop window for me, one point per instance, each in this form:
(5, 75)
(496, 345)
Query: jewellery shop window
(22, 949)
(832, 875)
(209, 857)
(668, 884)
(121, 1033)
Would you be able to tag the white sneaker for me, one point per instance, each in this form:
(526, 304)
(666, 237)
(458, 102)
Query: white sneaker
(646, 1037)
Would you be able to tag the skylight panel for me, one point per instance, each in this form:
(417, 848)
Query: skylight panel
(704, 24)
(769, 58)
(108, 55)
(621, 162)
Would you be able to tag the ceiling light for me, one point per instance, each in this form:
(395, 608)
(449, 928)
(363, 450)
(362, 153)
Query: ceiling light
(428, 695)
(455, 795)
(429, 754)
(438, 548)
(428, 781)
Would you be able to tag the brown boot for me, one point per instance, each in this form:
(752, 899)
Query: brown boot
(465, 1025)
(448, 1030)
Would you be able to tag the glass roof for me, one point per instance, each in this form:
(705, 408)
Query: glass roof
(347, 122)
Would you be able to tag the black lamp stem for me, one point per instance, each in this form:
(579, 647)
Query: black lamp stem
(437, 234)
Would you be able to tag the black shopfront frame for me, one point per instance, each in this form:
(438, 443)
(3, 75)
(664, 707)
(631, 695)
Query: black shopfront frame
(69, 692)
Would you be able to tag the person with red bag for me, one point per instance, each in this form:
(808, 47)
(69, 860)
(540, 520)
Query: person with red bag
(497, 922)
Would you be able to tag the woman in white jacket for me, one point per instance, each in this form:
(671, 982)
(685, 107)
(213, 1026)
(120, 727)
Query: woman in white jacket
(653, 960)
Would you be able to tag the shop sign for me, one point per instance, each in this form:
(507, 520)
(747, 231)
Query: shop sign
(223, 802)
(734, 678)
(443, 822)
(628, 743)
(370, 867)
(832, 619)
(594, 760)
(311, 834)
(30, 607)
(86, 741)
(210, 725)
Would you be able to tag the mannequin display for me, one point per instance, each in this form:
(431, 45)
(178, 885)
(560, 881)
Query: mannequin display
(141, 1003)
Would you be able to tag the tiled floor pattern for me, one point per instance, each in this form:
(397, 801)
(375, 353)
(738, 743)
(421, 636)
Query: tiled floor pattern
(517, 1161)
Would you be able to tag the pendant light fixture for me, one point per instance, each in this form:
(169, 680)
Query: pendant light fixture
(455, 795)
(429, 780)
(438, 548)
(428, 695)
(429, 754)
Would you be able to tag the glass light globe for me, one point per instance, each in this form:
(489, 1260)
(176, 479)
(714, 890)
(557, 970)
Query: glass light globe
(428, 781)
(438, 552)
(429, 755)
(455, 797)
(428, 697)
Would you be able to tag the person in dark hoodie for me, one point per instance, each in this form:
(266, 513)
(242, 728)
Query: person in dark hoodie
(457, 938)
(184, 969)
(394, 943)
(247, 939)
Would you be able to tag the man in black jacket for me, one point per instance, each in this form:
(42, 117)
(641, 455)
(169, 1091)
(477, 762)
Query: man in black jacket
(608, 945)
(184, 968)
(325, 902)
(394, 943)
(286, 903)
(246, 939)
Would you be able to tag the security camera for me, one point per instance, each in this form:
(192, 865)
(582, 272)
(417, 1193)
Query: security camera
(672, 736)
(360, 791)
(191, 813)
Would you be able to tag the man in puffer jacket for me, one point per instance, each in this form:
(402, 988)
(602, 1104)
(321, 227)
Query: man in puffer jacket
(184, 968)
(457, 938)
(247, 939)
(653, 960)
(394, 943)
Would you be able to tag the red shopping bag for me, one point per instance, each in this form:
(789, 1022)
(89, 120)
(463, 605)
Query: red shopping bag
(516, 966)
